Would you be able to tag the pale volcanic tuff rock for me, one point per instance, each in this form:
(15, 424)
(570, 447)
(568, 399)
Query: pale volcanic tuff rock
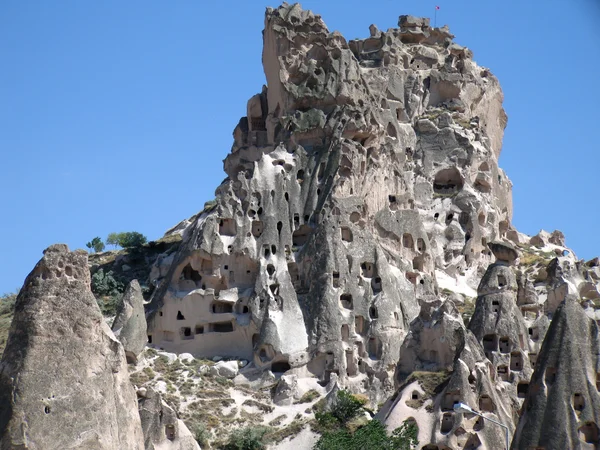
(163, 430)
(63, 377)
(130, 325)
(359, 169)
(562, 409)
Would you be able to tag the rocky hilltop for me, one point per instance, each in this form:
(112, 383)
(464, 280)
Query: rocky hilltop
(362, 240)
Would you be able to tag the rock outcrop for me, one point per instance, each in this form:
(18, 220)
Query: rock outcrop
(359, 170)
(63, 376)
(562, 408)
(130, 325)
(163, 430)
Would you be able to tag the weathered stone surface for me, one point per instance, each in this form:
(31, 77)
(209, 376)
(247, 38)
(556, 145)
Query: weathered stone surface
(63, 376)
(227, 369)
(129, 325)
(360, 169)
(162, 429)
(562, 409)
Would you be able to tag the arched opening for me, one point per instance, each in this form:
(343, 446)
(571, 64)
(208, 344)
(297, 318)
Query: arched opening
(180, 316)
(367, 269)
(589, 433)
(449, 399)
(170, 432)
(374, 347)
(359, 324)
(407, 241)
(221, 307)
(188, 273)
(578, 402)
(421, 245)
(257, 228)
(418, 263)
(448, 181)
(199, 329)
(346, 301)
(447, 423)
(373, 314)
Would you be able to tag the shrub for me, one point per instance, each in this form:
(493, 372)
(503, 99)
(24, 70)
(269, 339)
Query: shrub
(339, 432)
(249, 438)
(106, 284)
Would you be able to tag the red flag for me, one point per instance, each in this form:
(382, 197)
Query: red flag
(437, 7)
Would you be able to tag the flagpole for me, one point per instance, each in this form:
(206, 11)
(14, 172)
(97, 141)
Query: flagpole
(435, 17)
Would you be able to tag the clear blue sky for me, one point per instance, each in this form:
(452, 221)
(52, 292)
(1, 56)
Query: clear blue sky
(116, 116)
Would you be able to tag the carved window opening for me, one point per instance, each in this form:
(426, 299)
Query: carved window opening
(503, 373)
(186, 333)
(501, 281)
(227, 227)
(346, 234)
(199, 329)
(257, 228)
(578, 402)
(516, 361)
(222, 308)
(346, 301)
(490, 343)
(447, 423)
(335, 278)
(447, 181)
(504, 345)
(221, 327)
(486, 404)
(522, 389)
(180, 316)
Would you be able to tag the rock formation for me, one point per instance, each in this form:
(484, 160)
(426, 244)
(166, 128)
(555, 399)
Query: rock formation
(63, 376)
(360, 169)
(130, 325)
(362, 237)
(162, 428)
(562, 409)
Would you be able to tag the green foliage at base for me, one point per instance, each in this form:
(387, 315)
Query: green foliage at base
(372, 436)
(249, 438)
(341, 429)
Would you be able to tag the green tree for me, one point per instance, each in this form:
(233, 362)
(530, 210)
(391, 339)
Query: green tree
(340, 432)
(95, 244)
(113, 239)
(132, 239)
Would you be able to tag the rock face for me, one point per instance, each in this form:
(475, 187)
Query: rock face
(363, 217)
(130, 325)
(360, 169)
(562, 409)
(162, 429)
(63, 376)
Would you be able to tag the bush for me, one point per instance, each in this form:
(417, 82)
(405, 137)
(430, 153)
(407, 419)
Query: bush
(373, 436)
(201, 435)
(106, 284)
(249, 438)
(339, 432)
